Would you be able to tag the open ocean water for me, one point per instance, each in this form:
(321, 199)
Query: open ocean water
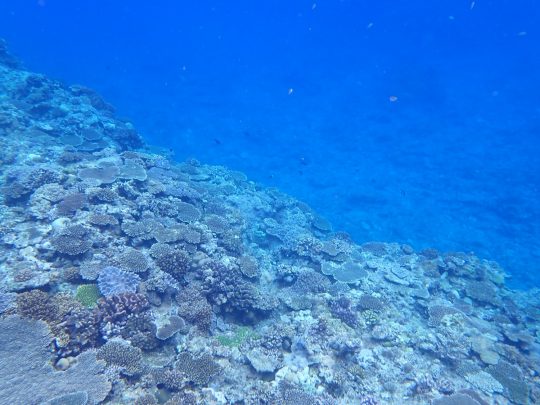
(280, 202)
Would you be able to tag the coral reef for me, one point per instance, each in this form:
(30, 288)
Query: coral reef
(186, 283)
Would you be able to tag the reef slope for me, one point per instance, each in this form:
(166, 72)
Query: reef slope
(128, 278)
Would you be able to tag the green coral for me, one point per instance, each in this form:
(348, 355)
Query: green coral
(240, 336)
(88, 294)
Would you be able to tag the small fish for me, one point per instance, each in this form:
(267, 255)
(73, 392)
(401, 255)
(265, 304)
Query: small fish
(290, 91)
(369, 26)
(473, 3)
(314, 6)
(393, 99)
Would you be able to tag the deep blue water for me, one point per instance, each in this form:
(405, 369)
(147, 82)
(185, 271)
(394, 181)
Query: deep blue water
(297, 94)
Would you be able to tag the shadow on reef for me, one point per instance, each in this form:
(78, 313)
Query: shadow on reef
(128, 278)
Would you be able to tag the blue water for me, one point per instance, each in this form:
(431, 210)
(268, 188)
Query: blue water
(298, 94)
